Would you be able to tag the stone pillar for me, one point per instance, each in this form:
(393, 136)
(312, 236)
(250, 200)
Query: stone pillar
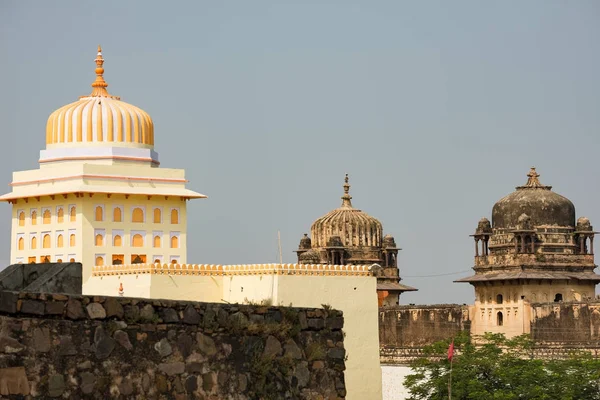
(592, 245)
(476, 247)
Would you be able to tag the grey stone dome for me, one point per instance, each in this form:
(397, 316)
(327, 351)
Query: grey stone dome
(538, 202)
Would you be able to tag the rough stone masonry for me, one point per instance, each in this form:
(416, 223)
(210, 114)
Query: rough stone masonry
(59, 346)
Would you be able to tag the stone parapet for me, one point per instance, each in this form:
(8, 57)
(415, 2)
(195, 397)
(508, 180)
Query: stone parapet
(54, 345)
(226, 270)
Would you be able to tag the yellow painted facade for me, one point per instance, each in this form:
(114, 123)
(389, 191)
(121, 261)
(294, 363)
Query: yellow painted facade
(351, 289)
(99, 196)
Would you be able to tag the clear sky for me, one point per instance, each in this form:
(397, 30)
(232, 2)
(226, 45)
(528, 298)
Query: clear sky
(435, 109)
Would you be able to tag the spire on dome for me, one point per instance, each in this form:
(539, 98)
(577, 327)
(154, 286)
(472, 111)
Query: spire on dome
(346, 197)
(99, 86)
(533, 181)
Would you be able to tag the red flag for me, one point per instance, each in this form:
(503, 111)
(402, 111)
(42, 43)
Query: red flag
(451, 351)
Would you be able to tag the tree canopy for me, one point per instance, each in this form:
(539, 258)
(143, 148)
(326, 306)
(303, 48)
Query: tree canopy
(493, 367)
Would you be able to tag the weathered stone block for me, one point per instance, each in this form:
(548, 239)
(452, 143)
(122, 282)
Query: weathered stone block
(41, 340)
(123, 339)
(33, 307)
(14, 381)
(10, 345)
(96, 311)
(168, 315)
(191, 316)
(175, 368)
(75, 309)
(56, 385)
(163, 347)
(55, 307)
(272, 348)
(113, 307)
(206, 344)
(8, 302)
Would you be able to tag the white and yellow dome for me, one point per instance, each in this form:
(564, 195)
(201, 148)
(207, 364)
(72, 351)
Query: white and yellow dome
(99, 120)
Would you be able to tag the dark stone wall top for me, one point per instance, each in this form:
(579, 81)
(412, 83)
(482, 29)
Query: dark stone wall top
(44, 277)
(60, 346)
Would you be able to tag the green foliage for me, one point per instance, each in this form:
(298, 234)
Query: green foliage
(315, 351)
(501, 369)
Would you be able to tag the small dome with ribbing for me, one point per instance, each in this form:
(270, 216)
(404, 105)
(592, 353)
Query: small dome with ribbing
(99, 119)
(354, 227)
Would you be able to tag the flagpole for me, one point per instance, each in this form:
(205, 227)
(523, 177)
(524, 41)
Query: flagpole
(450, 381)
(451, 358)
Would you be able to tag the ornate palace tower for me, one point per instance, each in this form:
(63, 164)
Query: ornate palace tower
(99, 196)
(347, 235)
(533, 251)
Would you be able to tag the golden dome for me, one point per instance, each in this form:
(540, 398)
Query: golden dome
(354, 227)
(99, 119)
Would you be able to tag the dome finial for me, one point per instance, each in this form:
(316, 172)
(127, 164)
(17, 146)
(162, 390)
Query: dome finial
(346, 197)
(99, 84)
(532, 179)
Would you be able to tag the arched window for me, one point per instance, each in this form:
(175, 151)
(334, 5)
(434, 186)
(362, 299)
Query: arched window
(117, 241)
(173, 261)
(137, 215)
(499, 318)
(34, 218)
(499, 299)
(156, 241)
(46, 241)
(60, 215)
(22, 218)
(59, 241)
(157, 261)
(117, 215)
(46, 217)
(174, 216)
(99, 241)
(558, 297)
(157, 216)
(174, 242)
(72, 240)
(137, 240)
(72, 260)
(99, 261)
(33, 243)
(59, 260)
(21, 244)
(99, 213)
(73, 214)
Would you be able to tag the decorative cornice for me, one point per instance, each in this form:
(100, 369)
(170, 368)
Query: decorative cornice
(230, 270)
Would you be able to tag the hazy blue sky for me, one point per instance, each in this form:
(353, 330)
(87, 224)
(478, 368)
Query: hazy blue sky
(435, 109)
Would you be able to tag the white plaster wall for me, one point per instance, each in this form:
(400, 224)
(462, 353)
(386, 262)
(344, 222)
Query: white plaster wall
(133, 285)
(392, 378)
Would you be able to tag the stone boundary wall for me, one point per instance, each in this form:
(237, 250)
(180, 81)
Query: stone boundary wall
(556, 328)
(224, 270)
(60, 346)
(571, 323)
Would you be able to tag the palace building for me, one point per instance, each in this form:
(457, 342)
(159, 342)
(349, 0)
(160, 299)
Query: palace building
(99, 196)
(348, 235)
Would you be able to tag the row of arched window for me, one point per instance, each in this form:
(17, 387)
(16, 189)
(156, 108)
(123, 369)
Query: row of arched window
(137, 215)
(137, 240)
(47, 216)
(46, 241)
(119, 259)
